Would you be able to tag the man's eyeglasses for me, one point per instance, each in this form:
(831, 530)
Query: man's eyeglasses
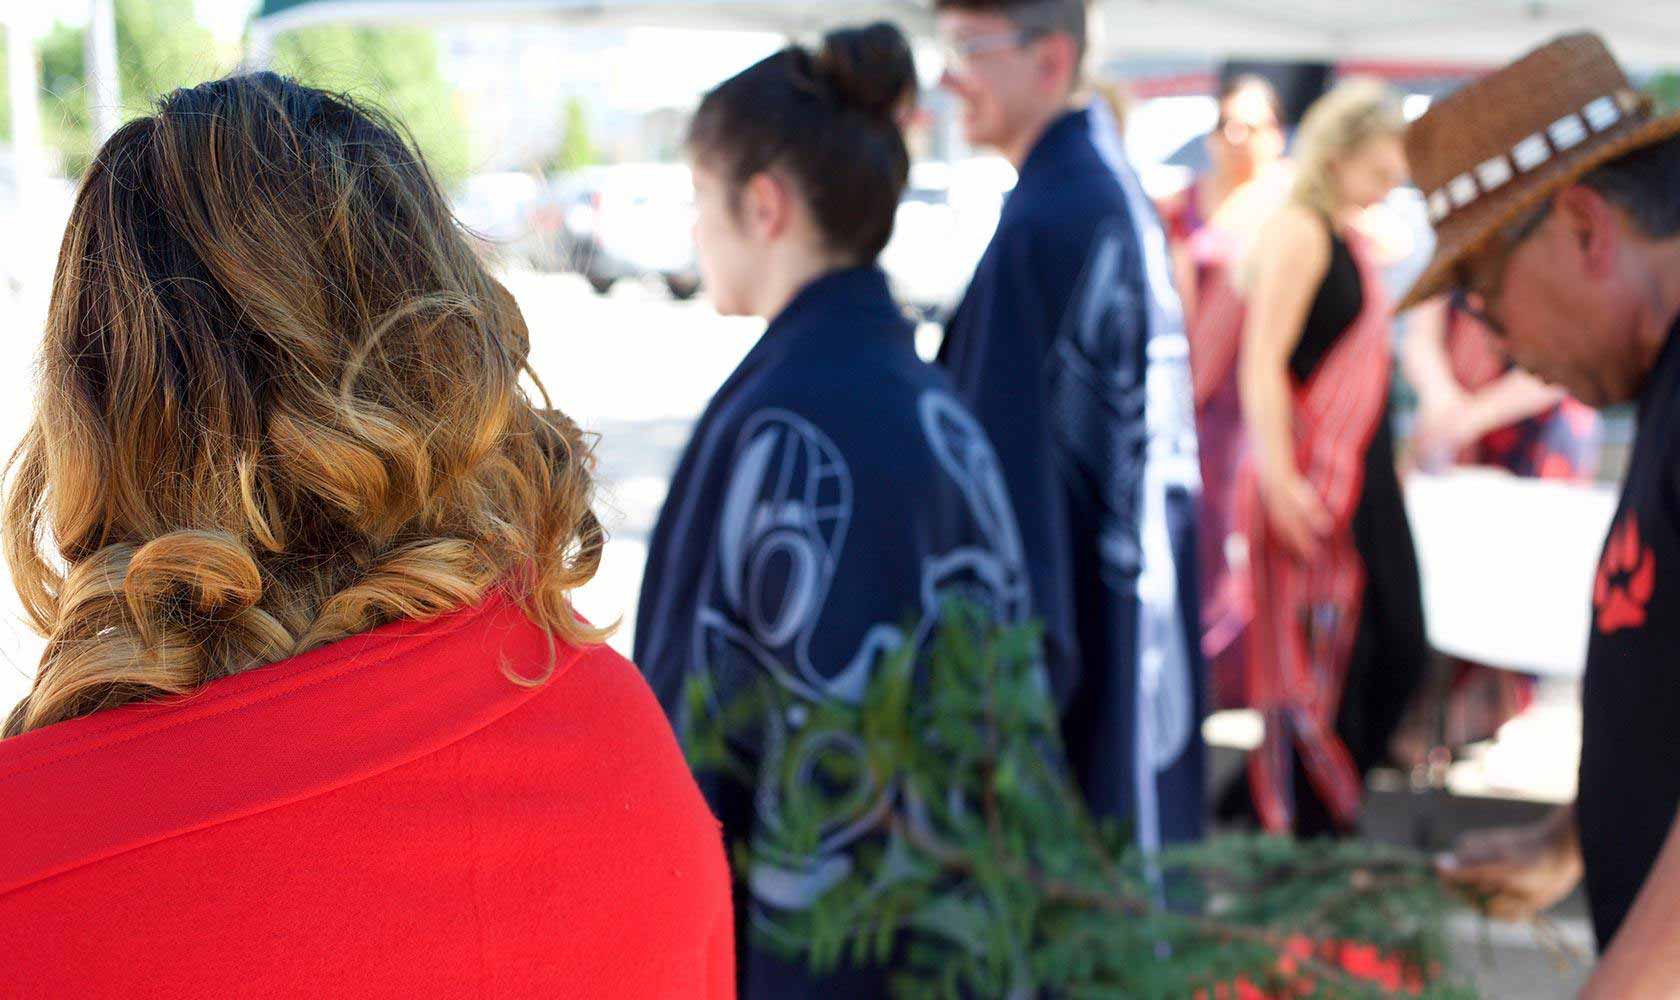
(1236, 132)
(1481, 279)
(959, 53)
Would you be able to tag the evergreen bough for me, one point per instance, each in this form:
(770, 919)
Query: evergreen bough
(988, 877)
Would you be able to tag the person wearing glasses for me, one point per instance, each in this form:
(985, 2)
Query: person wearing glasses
(1564, 236)
(1069, 347)
(1208, 225)
(1475, 408)
(1208, 221)
(1336, 643)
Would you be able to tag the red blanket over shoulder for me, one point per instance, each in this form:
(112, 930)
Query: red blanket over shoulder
(389, 816)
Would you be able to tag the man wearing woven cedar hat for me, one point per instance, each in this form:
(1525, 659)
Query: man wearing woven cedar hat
(1555, 193)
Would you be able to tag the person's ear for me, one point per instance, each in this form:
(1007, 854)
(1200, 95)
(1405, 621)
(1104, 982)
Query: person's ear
(1058, 62)
(1593, 226)
(911, 115)
(766, 206)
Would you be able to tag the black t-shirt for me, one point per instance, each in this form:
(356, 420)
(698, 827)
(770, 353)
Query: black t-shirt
(1630, 748)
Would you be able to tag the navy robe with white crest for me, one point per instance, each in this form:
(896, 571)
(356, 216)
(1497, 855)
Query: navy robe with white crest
(1069, 346)
(834, 493)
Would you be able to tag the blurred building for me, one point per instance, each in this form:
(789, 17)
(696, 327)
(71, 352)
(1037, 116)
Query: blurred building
(637, 85)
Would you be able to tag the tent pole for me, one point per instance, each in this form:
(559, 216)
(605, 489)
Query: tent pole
(105, 89)
(259, 48)
(23, 71)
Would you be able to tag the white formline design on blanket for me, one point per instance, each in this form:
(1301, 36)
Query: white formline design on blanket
(1170, 462)
(785, 517)
(1133, 479)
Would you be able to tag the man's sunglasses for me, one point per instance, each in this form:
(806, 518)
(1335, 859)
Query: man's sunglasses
(1481, 279)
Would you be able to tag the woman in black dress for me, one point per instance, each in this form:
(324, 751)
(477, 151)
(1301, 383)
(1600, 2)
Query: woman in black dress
(1337, 644)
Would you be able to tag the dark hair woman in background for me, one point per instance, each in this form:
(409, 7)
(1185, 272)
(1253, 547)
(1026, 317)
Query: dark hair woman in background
(1210, 225)
(834, 489)
(281, 463)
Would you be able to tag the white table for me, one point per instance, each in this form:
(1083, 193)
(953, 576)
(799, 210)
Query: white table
(1508, 566)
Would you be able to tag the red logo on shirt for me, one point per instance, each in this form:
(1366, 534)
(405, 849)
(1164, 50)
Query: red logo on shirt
(1627, 576)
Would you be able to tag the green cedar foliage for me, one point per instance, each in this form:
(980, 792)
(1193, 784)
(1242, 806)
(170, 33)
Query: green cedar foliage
(988, 878)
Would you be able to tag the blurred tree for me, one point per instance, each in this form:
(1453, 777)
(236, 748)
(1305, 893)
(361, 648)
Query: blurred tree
(577, 145)
(160, 46)
(65, 123)
(1665, 88)
(395, 69)
(5, 90)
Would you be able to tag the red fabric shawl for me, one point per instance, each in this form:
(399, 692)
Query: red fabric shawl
(1216, 331)
(389, 816)
(1305, 616)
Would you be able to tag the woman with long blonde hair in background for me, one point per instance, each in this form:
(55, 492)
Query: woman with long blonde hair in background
(315, 713)
(1336, 645)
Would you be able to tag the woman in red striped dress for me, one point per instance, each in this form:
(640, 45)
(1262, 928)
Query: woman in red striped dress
(1336, 645)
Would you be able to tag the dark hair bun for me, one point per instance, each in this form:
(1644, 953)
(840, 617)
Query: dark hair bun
(829, 119)
(869, 68)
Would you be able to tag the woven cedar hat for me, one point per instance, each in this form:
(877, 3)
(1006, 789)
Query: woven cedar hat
(1503, 144)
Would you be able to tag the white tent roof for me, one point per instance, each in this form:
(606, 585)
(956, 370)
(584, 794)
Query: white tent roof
(1643, 33)
(791, 17)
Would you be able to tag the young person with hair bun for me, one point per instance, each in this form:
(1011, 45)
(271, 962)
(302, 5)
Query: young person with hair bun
(835, 491)
(315, 715)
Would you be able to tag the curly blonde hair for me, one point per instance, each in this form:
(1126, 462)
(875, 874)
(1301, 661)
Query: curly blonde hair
(279, 405)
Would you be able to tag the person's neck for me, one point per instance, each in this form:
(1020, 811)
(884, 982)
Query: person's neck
(785, 275)
(1657, 301)
(1220, 185)
(1028, 136)
(1346, 217)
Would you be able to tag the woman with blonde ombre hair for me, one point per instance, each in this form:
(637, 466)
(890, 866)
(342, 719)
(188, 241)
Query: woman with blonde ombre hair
(1336, 644)
(315, 712)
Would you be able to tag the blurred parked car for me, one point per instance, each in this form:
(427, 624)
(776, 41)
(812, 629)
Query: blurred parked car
(945, 219)
(629, 220)
(495, 208)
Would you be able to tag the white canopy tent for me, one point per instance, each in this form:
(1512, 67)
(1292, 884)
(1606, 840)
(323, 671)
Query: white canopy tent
(1643, 33)
(790, 17)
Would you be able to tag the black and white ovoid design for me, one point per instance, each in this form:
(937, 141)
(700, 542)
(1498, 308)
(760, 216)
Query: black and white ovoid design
(786, 513)
(1121, 405)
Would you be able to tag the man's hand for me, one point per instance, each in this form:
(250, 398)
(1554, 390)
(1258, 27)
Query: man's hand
(1519, 872)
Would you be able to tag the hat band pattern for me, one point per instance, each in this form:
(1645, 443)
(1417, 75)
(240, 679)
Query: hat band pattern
(1532, 152)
